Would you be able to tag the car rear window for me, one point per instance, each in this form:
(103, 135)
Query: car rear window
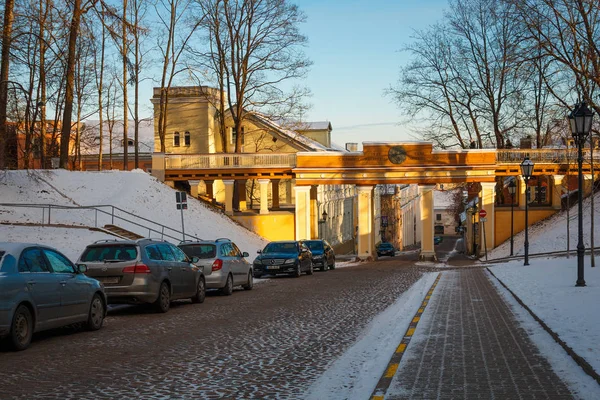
(109, 252)
(204, 250)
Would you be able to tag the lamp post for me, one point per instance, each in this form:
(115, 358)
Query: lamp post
(512, 189)
(473, 229)
(580, 121)
(527, 171)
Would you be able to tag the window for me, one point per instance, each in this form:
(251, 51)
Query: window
(234, 135)
(153, 253)
(227, 250)
(32, 260)
(176, 139)
(165, 252)
(200, 250)
(59, 263)
(186, 139)
(109, 252)
(438, 217)
(179, 255)
(130, 142)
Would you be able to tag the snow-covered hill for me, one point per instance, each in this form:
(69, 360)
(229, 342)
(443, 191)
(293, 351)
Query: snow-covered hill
(135, 191)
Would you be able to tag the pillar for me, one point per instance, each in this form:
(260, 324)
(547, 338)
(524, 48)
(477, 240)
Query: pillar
(588, 181)
(426, 221)
(288, 191)
(194, 188)
(158, 166)
(264, 195)
(557, 191)
(275, 193)
(314, 212)
(522, 192)
(229, 196)
(242, 194)
(366, 245)
(488, 200)
(210, 189)
(302, 212)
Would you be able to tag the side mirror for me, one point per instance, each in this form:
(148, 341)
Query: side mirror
(259, 252)
(82, 268)
(194, 260)
(245, 254)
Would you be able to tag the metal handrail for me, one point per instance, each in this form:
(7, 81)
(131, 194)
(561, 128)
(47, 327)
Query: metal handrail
(551, 156)
(230, 160)
(164, 232)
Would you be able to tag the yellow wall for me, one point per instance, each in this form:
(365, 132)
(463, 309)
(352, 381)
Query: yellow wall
(502, 224)
(321, 136)
(273, 226)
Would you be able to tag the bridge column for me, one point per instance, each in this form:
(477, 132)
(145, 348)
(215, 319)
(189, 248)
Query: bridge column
(522, 188)
(158, 166)
(427, 222)
(210, 191)
(275, 193)
(314, 212)
(229, 196)
(557, 191)
(264, 195)
(302, 212)
(366, 239)
(194, 188)
(488, 196)
(242, 194)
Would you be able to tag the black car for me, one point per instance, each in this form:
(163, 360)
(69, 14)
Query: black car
(283, 257)
(385, 249)
(322, 254)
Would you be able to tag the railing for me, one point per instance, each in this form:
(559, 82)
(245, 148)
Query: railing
(551, 156)
(241, 160)
(100, 215)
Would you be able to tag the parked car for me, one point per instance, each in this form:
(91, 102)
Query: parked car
(222, 262)
(144, 271)
(323, 255)
(42, 289)
(284, 257)
(385, 249)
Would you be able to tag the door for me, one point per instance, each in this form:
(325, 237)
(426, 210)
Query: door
(75, 293)
(241, 266)
(171, 267)
(187, 271)
(42, 285)
(305, 257)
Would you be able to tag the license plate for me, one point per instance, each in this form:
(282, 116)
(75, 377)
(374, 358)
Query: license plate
(273, 267)
(109, 279)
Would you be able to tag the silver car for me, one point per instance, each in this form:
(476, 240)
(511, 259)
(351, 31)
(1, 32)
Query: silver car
(224, 265)
(144, 271)
(41, 289)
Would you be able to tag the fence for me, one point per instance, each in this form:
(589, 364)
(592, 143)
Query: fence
(548, 156)
(241, 160)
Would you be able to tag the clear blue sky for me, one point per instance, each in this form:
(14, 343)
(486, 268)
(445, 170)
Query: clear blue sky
(355, 45)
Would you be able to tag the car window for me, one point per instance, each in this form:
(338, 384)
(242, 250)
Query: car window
(109, 252)
(179, 255)
(285, 247)
(32, 260)
(236, 250)
(314, 244)
(304, 247)
(227, 250)
(59, 263)
(165, 252)
(204, 250)
(153, 253)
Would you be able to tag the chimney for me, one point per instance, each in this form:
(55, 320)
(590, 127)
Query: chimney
(352, 147)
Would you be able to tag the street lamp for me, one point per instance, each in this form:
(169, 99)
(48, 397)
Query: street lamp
(512, 189)
(580, 121)
(527, 171)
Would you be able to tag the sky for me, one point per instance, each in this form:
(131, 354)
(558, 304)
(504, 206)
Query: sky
(355, 46)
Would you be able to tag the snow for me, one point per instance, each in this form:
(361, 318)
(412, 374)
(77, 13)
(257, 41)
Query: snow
(355, 374)
(551, 234)
(135, 192)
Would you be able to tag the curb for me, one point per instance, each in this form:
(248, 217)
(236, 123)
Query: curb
(587, 368)
(386, 379)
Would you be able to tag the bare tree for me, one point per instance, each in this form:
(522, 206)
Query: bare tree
(4, 70)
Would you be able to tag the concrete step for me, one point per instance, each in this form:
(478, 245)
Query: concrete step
(122, 232)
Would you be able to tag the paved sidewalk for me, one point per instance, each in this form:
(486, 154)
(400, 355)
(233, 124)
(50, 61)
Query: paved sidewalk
(468, 345)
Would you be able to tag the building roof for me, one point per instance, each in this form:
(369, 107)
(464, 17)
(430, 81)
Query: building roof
(315, 126)
(91, 134)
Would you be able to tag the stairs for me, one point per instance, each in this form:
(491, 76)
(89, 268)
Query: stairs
(118, 231)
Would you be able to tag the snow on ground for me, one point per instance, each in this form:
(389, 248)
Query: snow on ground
(355, 374)
(551, 234)
(134, 191)
(547, 286)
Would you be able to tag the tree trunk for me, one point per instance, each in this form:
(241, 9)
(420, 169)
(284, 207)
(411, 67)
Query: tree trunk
(65, 134)
(6, 42)
(125, 105)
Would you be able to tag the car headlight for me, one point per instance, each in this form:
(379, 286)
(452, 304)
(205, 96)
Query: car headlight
(318, 256)
(257, 262)
(290, 261)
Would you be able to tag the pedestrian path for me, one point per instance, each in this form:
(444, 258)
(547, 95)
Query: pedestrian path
(468, 345)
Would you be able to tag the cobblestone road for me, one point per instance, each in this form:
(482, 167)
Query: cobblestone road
(271, 342)
(469, 346)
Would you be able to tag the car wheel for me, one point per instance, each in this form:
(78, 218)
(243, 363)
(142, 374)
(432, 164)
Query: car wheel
(21, 329)
(332, 266)
(163, 302)
(298, 272)
(97, 313)
(200, 292)
(250, 283)
(310, 269)
(257, 276)
(227, 290)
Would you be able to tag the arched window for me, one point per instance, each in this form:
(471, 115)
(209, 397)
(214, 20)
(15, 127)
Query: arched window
(186, 139)
(176, 139)
(503, 196)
